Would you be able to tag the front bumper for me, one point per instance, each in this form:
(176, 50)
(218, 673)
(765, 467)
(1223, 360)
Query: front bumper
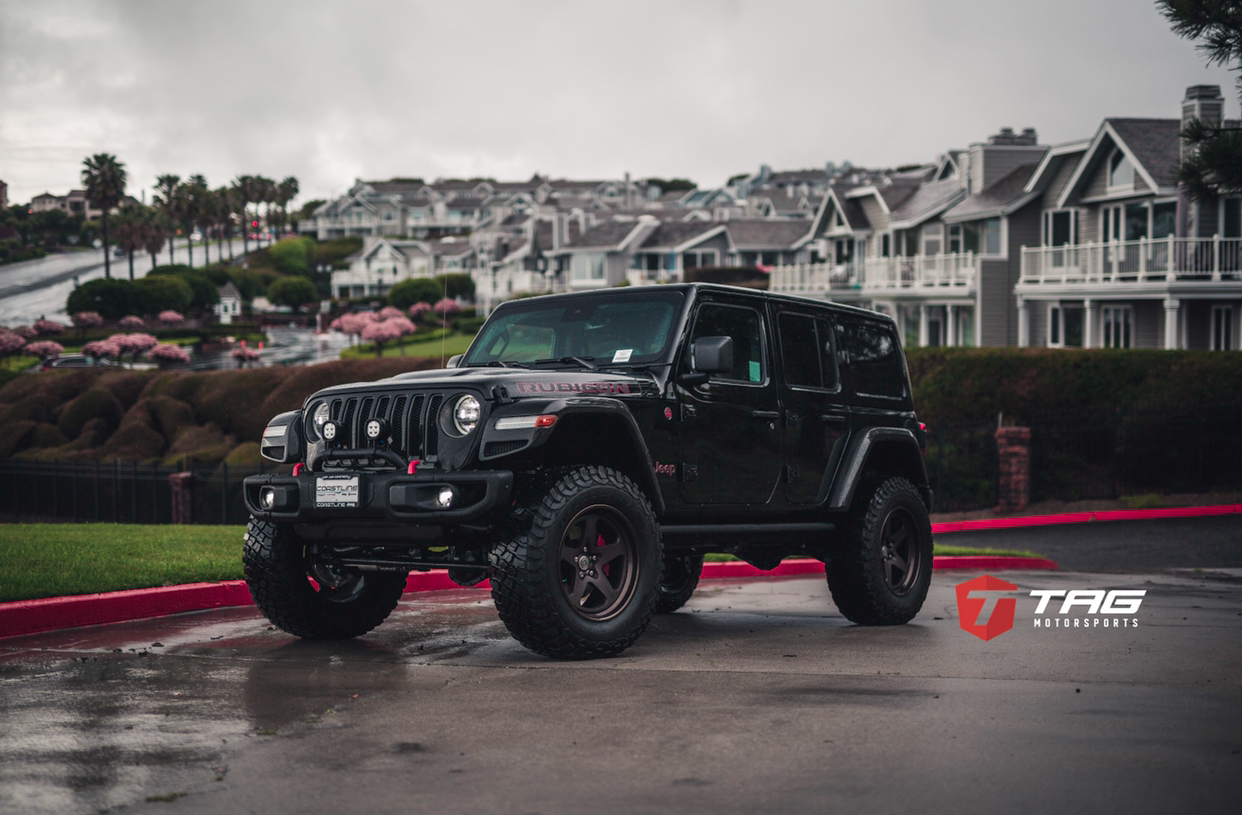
(392, 496)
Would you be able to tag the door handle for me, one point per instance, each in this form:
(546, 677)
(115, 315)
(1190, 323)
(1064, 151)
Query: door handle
(832, 418)
(765, 414)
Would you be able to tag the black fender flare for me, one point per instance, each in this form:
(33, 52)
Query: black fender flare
(858, 453)
(614, 410)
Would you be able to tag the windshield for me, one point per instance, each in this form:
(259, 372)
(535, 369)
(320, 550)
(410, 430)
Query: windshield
(603, 330)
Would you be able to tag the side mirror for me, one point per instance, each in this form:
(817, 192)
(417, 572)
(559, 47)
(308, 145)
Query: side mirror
(713, 355)
(453, 360)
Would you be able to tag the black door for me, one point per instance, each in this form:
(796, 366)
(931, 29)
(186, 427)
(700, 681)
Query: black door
(730, 432)
(816, 418)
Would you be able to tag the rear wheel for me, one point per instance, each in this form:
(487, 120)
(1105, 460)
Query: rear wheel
(678, 581)
(882, 571)
(578, 578)
(308, 596)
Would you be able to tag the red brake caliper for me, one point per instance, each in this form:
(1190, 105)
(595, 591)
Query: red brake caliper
(607, 567)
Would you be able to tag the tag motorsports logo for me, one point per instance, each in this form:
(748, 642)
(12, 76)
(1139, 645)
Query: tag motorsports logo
(986, 609)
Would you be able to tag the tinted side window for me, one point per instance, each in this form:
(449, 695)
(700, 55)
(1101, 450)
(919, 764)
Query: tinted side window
(743, 325)
(799, 351)
(806, 349)
(874, 359)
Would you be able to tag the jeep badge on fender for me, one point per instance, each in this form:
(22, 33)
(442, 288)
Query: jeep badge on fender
(587, 451)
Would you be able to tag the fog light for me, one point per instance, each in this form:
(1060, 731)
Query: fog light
(445, 498)
(330, 431)
(267, 498)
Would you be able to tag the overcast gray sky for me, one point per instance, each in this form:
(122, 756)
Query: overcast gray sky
(331, 91)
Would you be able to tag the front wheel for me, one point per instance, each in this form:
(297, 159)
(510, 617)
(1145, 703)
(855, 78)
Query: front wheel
(578, 578)
(308, 596)
(881, 572)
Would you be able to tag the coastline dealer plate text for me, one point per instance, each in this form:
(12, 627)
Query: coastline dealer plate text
(336, 491)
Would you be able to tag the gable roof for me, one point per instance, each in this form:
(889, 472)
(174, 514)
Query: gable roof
(678, 235)
(1152, 145)
(605, 235)
(760, 233)
(1007, 195)
(927, 201)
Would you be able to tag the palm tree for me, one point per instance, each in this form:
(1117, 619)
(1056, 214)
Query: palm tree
(131, 231)
(243, 190)
(104, 178)
(166, 201)
(222, 210)
(154, 233)
(286, 191)
(193, 200)
(267, 195)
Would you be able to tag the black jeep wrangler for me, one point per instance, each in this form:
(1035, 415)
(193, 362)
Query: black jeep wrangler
(587, 451)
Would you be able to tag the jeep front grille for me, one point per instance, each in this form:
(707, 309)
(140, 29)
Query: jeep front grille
(411, 416)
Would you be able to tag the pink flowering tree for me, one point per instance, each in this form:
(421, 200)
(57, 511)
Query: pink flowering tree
(352, 324)
(86, 320)
(134, 344)
(47, 327)
(446, 307)
(419, 310)
(403, 325)
(102, 348)
(44, 349)
(26, 332)
(168, 354)
(10, 343)
(380, 333)
(131, 323)
(388, 312)
(170, 317)
(244, 355)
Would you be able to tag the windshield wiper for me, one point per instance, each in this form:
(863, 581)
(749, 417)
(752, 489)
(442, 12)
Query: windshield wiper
(496, 363)
(585, 362)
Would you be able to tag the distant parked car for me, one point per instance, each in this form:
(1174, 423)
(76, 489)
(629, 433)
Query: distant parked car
(76, 361)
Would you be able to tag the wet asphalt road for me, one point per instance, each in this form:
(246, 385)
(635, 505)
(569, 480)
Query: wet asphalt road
(757, 697)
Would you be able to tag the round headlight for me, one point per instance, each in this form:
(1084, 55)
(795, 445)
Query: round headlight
(320, 417)
(466, 414)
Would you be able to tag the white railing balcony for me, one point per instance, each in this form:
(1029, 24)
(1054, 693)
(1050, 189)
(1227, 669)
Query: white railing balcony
(1150, 260)
(652, 277)
(816, 278)
(955, 271)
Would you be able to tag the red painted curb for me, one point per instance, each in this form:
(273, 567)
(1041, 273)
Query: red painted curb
(54, 613)
(1085, 517)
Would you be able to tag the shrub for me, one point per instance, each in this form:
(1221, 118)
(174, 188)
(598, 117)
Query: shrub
(45, 349)
(132, 323)
(168, 353)
(456, 285)
(95, 403)
(291, 255)
(111, 297)
(159, 292)
(292, 292)
(47, 435)
(414, 290)
(170, 317)
(15, 437)
(203, 292)
(45, 327)
(87, 319)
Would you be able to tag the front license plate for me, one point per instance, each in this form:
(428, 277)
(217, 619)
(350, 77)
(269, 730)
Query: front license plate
(336, 491)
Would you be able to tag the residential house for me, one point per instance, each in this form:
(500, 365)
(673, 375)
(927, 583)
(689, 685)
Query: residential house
(666, 252)
(75, 203)
(230, 304)
(1121, 260)
(4, 195)
(380, 264)
(601, 255)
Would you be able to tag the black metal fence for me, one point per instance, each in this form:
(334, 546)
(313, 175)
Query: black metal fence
(117, 492)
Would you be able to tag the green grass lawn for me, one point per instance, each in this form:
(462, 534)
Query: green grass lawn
(52, 560)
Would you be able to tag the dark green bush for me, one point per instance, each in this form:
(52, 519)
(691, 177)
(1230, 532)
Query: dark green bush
(95, 403)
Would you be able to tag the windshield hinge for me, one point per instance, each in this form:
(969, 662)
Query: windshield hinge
(500, 395)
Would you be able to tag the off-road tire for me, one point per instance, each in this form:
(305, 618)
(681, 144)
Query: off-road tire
(678, 581)
(279, 576)
(533, 588)
(868, 588)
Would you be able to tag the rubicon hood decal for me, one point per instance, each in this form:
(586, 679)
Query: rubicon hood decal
(553, 386)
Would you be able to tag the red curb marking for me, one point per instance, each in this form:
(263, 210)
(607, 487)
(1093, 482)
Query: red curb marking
(54, 613)
(1085, 517)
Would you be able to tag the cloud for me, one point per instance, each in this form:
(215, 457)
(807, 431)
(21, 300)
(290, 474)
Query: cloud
(328, 91)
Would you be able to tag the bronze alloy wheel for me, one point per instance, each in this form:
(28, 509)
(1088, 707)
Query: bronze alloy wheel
(598, 566)
(899, 551)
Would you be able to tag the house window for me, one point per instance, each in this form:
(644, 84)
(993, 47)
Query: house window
(1059, 227)
(886, 248)
(1222, 328)
(1065, 326)
(1120, 170)
(1232, 214)
(696, 260)
(1136, 222)
(588, 266)
(1117, 321)
(1163, 219)
(955, 239)
(933, 238)
(992, 236)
